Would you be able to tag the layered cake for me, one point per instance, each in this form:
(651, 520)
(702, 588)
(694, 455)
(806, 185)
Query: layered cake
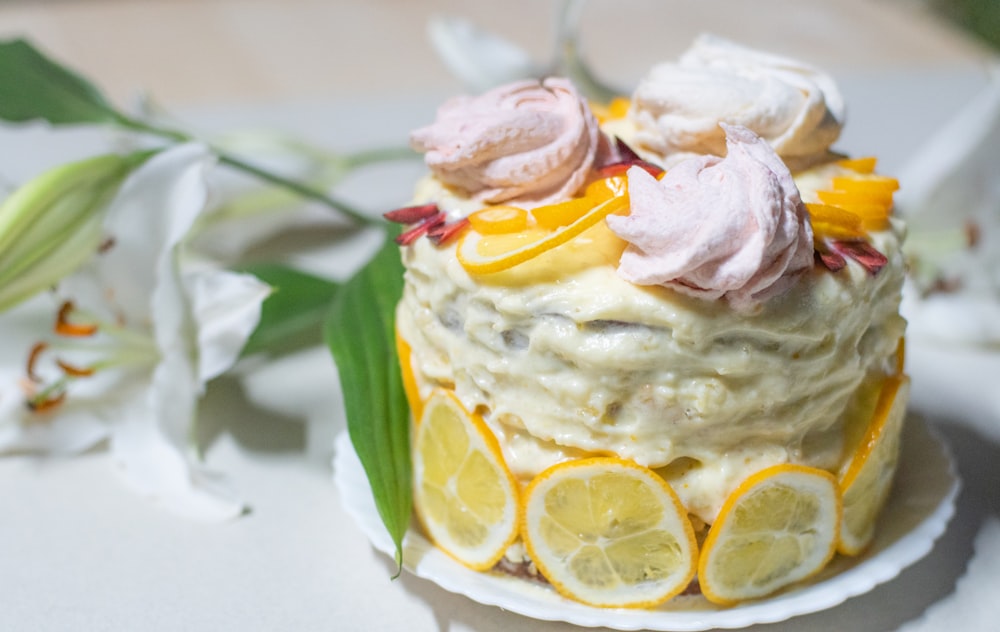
(652, 347)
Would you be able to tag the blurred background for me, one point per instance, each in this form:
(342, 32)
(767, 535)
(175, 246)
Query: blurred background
(195, 52)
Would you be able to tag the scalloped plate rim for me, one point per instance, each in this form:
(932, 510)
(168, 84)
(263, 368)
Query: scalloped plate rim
(845, 578)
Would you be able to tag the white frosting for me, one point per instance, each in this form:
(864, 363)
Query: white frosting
(570, 359)
(677, 107)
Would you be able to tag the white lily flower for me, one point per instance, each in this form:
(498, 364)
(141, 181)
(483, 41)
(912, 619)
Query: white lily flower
(142, 330)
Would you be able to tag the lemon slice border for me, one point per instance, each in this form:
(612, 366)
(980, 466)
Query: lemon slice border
(495, 454)
(874, 433)
(754, 480)
(546, 476)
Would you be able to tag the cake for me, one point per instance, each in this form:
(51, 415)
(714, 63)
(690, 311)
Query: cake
(688, 289)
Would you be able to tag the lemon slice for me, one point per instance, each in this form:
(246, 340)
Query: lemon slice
(410, 387)
(609, 533)
(866, 477)
(778, 527)
(478, 256)
(466, 498)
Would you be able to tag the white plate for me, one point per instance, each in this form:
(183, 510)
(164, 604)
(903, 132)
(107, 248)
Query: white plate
(917, 513)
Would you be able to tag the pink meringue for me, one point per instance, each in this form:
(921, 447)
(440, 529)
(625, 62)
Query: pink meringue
(677, 107)
(732, 227)
(527, 142)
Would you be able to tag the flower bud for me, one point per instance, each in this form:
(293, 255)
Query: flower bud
(53, 223)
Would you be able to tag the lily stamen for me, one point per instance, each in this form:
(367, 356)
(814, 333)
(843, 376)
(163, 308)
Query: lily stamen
(33, 355)
(75, 371)
(44, 403)
(65, 328)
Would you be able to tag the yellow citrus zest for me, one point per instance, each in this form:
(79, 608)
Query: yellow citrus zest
(870, 184)
(864, 194)
(859, 165)
(478, 256)
(866, 476)
(496, 220)
(608, 532)
(465, 497)
(778, 527)
(833, 222)
(553, 216)
(616, 109)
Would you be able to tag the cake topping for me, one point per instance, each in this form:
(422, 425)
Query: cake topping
(677, 106)
(713, 227)
(528, 142)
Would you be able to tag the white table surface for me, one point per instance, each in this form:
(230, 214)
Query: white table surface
(78, 551)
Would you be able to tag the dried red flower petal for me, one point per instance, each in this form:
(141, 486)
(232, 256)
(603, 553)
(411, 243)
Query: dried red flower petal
(830, 260)
(408, 237)
(412, 214)
(624, 151)
(443, 233)
(861, 251)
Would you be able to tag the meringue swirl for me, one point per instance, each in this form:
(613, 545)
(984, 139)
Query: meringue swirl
(527, 142)
(732, 227)
(677, 107)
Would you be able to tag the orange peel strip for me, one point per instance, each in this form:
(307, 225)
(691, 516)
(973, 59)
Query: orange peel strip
(855, 198)
(859, 165)
(474, 263)
(870, 184)
(886, 399)
(497, 220)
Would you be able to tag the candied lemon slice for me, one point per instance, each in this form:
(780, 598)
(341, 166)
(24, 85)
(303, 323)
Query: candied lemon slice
(478, 255)
(866, 477)
(859, 165)
(834, 222)
(778, 527)
(608, 532)
(466, 498)
(499, 220)
(866, 184)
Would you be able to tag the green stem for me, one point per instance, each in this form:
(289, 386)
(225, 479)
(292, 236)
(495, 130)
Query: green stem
(371, 156)
(237, 163)
(297, 187)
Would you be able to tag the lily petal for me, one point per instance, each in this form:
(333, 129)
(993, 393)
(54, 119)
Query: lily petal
(226, 308)
(153, 213)
(150, 448)
(480, 59)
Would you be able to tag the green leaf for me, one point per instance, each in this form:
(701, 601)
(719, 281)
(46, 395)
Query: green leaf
(360, 332)
(32, 86)
(292, 317)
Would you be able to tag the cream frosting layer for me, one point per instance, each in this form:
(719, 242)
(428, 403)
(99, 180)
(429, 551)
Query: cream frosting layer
(566, 361)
